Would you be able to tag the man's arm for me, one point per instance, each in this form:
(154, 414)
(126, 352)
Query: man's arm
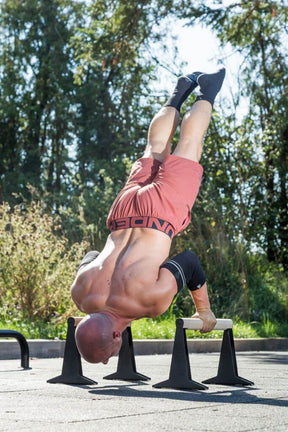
(187, 269)
(203, 309)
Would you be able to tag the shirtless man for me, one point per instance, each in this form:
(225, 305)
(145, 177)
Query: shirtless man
(132, 277)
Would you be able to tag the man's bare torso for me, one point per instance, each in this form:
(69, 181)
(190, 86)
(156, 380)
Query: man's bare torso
(125, 279)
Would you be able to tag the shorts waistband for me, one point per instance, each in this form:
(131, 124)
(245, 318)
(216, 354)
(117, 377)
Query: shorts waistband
(142, 222)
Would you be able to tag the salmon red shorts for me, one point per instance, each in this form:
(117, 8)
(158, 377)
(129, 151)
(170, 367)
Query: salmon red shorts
(157, 195)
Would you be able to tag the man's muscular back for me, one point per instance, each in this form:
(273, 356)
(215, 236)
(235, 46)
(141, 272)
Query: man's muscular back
(124, 279)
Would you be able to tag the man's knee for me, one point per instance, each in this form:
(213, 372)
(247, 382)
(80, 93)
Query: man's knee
(152, 151)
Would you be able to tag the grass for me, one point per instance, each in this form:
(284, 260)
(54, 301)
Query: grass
(160, 328)
(165, 329)
(37, 329)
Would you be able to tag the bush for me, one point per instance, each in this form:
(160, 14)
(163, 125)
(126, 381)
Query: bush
(240, 283)
(37, 265)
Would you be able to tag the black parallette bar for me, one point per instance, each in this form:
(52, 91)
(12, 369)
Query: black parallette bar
(126, 369)
(23, 345)
(72, 366)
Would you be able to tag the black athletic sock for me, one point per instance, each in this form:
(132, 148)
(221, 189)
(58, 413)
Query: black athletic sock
(210, 85)
(88, 258)
(185, 85)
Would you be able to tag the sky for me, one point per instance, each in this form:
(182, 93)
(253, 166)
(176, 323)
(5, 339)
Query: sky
(208, 55)
(201, 51)
(197, 46)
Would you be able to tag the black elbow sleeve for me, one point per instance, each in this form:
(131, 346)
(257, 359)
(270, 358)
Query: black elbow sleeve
(187, 270)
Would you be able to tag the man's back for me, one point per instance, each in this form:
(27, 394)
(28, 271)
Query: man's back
(124, 278)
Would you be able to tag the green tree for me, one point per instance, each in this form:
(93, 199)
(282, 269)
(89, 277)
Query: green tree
(112, 99)
(256, 29)
(74, 78)
(37, 89)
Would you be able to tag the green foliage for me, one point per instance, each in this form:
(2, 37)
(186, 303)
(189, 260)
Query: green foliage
(227, 229)
(158, 328)
(257, 30)
(35, 96)
(154, 329)
(75, 106)
(36, 264)
(240, 283)
(37, 329)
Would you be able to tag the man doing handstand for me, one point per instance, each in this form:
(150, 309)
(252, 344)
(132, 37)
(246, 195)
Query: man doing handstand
(132, 277)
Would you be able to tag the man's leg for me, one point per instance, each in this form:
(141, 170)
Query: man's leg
(193, 129)
(160, 134)
(164, 123)
(195, 123)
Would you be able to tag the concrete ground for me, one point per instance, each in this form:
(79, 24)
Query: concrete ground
(29, 403)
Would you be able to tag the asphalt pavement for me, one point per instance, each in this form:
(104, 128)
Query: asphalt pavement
(29, 403)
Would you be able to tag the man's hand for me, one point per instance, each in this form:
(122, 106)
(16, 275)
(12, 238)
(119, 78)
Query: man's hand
(208, 318)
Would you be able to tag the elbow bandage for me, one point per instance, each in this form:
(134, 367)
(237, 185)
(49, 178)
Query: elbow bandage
(187, 270)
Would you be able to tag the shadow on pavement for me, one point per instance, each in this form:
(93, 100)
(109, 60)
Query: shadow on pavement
(270, 358)
(239, 395)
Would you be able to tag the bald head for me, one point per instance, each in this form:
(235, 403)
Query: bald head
(96, 338)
